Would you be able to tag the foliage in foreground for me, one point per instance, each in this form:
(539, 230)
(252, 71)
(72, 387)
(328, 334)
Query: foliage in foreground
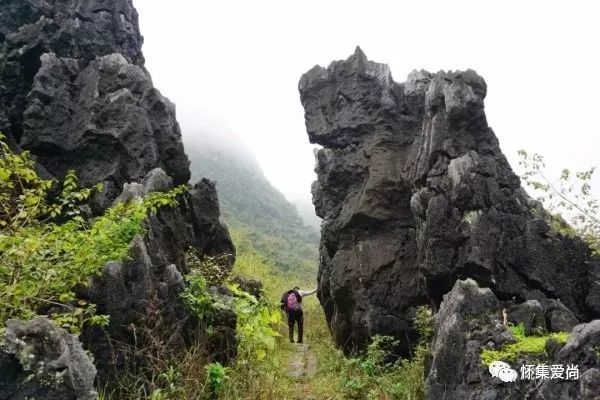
(48, 248)
(532, 345)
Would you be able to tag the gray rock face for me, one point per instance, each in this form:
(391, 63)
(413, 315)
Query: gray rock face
(142, 294)
(76, 94)
(41, 361)
(469, 321)
(415, 194)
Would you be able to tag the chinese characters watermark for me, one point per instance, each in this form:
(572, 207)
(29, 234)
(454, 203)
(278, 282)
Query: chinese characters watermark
(529, 372)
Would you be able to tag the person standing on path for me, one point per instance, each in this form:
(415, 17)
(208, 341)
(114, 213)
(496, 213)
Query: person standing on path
(291, 303)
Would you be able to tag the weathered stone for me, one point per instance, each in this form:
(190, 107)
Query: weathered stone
(559, 317)
(252, 286)
(415, 193)
(76, 94)
(469, 320)
(531, 315)
(590, 384)
(39, 360)
(582, 350)
(142, 294)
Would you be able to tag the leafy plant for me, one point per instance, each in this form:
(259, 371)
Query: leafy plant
(47, 247)
(255, 320)
(197, 298)
(216, 376)
(569, 197)
(534, 345)
(170, 389)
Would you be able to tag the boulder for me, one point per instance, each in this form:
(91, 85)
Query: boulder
(469, 321)
(252, 286)
(415, 194)
(39, 360)
(583, 351)
(76, 94)
(531, 314)
(142, 293)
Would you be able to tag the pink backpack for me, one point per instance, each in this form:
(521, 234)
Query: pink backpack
(292, 303)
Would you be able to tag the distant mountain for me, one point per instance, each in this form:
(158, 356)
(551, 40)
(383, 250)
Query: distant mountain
(251, 205)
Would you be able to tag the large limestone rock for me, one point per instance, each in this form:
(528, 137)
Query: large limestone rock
(142, 293)
(74, 91)
(40, 361)
(415, 193)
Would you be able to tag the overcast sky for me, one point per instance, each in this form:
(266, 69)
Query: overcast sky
(234, 66)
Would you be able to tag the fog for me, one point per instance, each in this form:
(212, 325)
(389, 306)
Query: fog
(232, 68)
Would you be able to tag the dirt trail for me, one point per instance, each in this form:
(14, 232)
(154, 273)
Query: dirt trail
(303, 366)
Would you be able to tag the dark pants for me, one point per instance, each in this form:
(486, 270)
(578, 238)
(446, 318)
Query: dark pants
(293, 317)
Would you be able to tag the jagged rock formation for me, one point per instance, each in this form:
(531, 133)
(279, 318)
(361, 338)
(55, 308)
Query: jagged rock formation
(74, 91)
(142, 293)
(415, 193)
(40, 361)
(468, 322)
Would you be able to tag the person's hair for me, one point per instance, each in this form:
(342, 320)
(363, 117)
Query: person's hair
(296, 288)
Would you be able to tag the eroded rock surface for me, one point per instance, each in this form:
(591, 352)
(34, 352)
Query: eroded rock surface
(142, 294)
(40, 361)
(74, 91)
(469, 322)
(415, 193)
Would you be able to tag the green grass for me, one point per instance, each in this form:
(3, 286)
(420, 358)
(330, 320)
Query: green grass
(525, 346)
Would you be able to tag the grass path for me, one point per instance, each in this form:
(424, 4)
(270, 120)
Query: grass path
(302, 368)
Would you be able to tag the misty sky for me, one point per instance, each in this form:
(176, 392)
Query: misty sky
(234, 66)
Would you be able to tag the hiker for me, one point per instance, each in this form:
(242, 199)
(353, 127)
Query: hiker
(291, 303)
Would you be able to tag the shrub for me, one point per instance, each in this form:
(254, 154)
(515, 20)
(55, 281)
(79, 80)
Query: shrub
(216, 375)
(534, 345)
(213, 268)
(197, 299)
(48, 248)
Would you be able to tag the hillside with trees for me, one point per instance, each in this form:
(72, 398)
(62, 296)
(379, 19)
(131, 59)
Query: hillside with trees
(252, 207)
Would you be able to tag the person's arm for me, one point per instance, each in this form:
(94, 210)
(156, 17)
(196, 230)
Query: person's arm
(305, 293)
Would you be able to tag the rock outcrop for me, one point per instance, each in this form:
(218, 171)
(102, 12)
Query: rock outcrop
(468, 322)
(142, 294)
(415, 193)
(74, 91)
(40, 361)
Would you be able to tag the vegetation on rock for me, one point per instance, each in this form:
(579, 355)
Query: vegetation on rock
(525, 346)
(49, 247)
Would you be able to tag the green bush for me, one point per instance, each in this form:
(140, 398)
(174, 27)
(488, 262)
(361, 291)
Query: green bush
(216, 376)
(48, 248)
(534, 345)
(197, 299)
